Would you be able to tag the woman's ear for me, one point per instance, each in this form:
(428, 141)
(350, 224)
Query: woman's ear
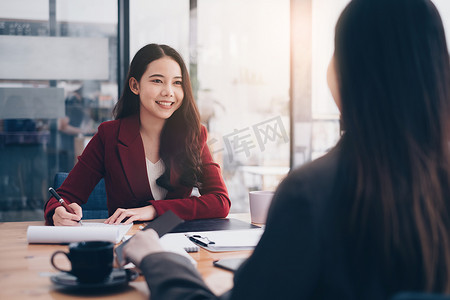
(134, 85)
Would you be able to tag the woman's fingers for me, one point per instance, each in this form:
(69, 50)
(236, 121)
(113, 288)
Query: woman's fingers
(131, 219)
(127, 216)
(122, 216)
(112, 219)
(78, 210)
(63, 218)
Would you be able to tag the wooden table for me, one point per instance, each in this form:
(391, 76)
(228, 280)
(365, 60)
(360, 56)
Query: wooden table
(25, 269)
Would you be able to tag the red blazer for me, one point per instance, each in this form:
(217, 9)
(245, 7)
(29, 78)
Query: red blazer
(116, 153)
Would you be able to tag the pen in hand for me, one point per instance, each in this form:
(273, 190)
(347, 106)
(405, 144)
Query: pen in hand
(61, 200)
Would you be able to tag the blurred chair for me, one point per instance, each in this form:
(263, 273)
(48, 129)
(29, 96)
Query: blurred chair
(95, 208)
(419, 296)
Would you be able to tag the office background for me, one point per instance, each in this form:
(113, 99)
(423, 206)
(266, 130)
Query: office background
(258, 69)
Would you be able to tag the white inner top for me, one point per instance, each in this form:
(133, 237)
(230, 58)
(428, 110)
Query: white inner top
(154, 171)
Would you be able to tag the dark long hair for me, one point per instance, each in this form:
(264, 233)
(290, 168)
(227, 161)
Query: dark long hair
(393, 72)
(179, 144)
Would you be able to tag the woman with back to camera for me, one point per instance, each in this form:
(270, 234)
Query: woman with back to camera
(153, 153)
(371, 218)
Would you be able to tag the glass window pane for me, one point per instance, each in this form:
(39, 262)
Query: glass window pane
(160, 22)
(51, 109)
(325, 126)
(243, 91)
(25, 10)
(443, 7)
(240, 72)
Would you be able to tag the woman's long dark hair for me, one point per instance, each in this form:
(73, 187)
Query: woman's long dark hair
(180, 136)
(393, 72)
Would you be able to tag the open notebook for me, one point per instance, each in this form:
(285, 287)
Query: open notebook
(88, 231)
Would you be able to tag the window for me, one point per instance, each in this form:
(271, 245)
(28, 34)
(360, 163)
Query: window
(58, 83)
(240, 69)
(258, 69)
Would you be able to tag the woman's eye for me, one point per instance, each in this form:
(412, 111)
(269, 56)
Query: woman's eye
(157, 81)
(178, 82)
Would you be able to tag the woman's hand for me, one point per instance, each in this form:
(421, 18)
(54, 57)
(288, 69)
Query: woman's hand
(145, 213)
(142, 244)
(63, 218)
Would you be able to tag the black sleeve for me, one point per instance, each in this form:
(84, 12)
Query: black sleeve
(286, 263)
(172, 276)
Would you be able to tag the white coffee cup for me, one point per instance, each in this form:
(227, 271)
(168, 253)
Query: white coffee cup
(259, 205)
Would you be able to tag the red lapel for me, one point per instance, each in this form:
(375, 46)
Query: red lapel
(132, 156)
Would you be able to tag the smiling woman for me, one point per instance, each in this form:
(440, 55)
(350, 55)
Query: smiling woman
(152, 155)
(160, 91)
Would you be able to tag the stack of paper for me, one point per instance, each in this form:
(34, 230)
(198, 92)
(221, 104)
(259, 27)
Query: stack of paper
(69, 234)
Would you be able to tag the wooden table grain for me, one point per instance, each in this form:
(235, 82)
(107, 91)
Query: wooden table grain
(25, 269)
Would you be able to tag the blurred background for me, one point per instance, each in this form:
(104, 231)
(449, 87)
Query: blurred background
(258, 70)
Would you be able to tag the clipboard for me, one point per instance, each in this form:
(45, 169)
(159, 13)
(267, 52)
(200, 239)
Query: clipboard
(161, 225)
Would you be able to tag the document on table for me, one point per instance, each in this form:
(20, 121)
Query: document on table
(121, 228)
(178, 240)
(162, 224)
(88, 231)
(176, 243)
(226, 240)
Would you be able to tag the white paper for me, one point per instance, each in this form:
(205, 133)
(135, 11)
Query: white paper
(178, 240)
(69, 234)
(229, 240)
(123, 229)
(173, 242)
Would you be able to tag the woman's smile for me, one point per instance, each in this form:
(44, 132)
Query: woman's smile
(165, 104)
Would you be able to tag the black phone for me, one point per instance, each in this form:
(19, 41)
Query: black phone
(230, 264)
